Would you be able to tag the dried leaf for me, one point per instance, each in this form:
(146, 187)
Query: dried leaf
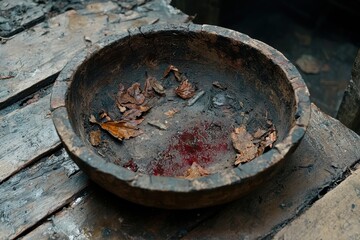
(185, 90)
(148, 89)
(131, 114)
(135, 92)
(142, 108)
(169, 69)
(155, 84)
(195, 171)
(95, 137)
(131, 95)
(171, 112)
(242, 142)
(219, 85)
(119, 129)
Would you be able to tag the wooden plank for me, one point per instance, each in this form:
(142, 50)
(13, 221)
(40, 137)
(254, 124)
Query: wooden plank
(335, 216)
(21, 14)
(26, 135)
(101, 215)
(37, 191)
(32, 58)
(323, 155)
(349, 111)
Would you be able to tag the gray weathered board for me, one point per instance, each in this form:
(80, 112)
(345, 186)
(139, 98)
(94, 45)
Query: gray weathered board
(33, 57)
(319, 161)
(53, 199)
(26, 134)
(335, 216)
(37, 191)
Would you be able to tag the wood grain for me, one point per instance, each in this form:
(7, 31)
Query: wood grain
(33, 58)
(327, 149)
(322, 157)
(101, 215)
(26, 135)
(37, 191)
(335, 216)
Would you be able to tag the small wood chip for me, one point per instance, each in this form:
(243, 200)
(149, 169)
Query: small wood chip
(158, 124)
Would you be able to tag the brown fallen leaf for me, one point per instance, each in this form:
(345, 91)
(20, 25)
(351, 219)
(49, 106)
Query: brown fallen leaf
(169, 69)
(148, 89)
(95, 138)
(118, 129)
(195, 171)
(121, 107)
(185, 90)
(135, 92)
(242, 142)
(131, 114)
(155, 84)
(171, 112)
(141, 108)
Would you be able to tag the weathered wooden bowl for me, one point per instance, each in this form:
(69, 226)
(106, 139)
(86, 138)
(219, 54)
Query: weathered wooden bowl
(260, 81)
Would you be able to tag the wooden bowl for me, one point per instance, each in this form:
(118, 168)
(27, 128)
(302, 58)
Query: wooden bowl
(260, 82)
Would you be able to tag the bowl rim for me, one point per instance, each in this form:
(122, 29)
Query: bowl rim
(76, 147)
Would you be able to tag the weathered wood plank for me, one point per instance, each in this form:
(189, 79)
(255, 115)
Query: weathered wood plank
(349, 111)
(21, 14)
(37, 191)
(26, 135)
(327, 148)
(31, 58)
(101, 215)
(335, 216)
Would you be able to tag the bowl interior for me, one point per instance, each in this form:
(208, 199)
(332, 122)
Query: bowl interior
(257, 90)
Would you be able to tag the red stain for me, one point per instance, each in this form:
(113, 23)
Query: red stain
(203, 144)
(130, 165)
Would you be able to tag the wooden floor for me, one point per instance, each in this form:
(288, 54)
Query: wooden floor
(45, 196)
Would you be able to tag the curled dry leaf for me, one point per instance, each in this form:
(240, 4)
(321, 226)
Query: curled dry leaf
(95, 138)
(195, 171)
(155, 84)
(178, 75)
(171, 112)
(242, 142)
(119, 129)
(131, 114)
(169, 69)
(185, 90)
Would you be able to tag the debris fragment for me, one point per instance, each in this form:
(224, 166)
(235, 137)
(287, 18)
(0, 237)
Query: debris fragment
(219, 85)
(118, 129)
(242, 142)
(171, 112)
(251, 146)
(155, 84)
(95, 138)
(185, 90)
(195, 171)
(169, 69)
(105, 115)
(308, 64)
(34, 99)
(158, 124)
(195, 98)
